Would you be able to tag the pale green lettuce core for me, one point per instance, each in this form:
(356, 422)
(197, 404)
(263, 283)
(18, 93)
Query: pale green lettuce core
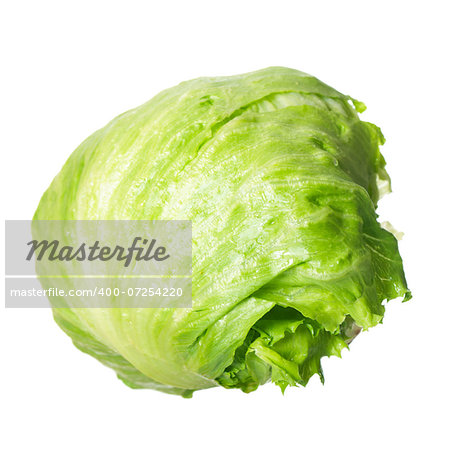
(280, 179)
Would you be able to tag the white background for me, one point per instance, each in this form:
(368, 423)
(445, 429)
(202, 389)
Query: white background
(68, 67)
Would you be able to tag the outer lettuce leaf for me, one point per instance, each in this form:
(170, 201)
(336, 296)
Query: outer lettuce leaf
(280, 179)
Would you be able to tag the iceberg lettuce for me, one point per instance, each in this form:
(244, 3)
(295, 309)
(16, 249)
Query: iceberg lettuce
(281, 180)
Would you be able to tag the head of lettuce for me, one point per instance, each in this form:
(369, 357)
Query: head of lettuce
(280, 179)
